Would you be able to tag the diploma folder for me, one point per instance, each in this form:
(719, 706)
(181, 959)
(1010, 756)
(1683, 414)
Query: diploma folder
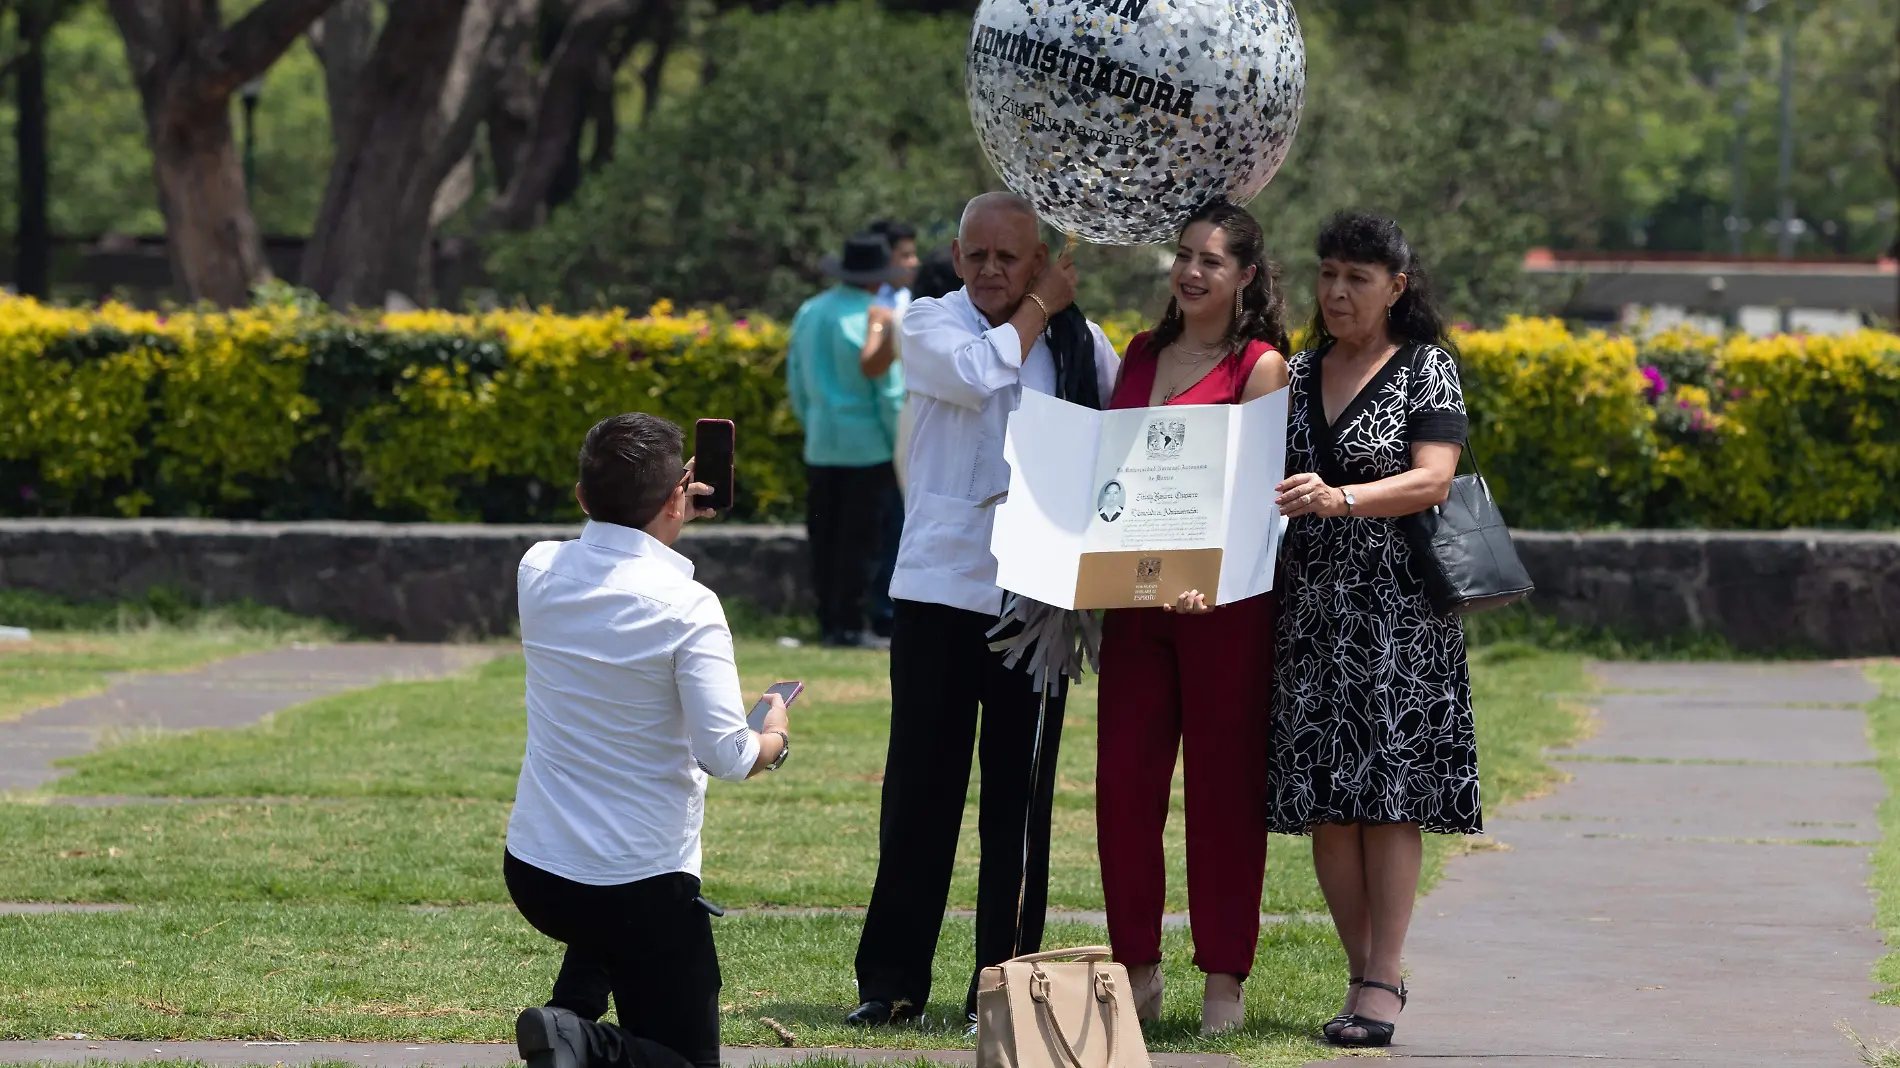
(1131, 507)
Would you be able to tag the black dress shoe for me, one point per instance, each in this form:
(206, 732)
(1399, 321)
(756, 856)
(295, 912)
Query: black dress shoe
(881, 1014)
(550, 1038)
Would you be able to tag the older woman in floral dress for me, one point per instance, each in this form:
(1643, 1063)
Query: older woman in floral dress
(1373, 735)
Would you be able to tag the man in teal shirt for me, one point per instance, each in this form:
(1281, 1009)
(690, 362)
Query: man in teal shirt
(846, 390)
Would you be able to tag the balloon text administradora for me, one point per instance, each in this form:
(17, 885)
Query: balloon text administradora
(1118, 118)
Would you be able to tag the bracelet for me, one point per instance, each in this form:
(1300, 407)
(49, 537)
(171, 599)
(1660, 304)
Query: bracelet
(1045, 311)
(784, 750)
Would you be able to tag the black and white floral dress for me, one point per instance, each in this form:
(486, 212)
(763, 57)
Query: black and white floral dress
(1372, 703)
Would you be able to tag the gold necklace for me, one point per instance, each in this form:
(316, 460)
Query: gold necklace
(1177, 385)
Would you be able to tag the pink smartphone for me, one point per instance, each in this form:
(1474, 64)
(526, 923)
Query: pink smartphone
(788, 690)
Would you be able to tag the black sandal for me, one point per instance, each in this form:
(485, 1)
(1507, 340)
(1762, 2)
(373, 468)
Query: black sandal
(1332, 1027)
(1378, 1033)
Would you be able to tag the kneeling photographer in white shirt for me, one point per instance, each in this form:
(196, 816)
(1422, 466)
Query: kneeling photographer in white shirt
(633, 700)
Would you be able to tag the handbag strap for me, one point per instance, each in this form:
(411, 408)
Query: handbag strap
(1466, 450)
(1080, 953)
(1104, 992)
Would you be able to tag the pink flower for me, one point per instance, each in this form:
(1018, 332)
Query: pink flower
(1658, 385)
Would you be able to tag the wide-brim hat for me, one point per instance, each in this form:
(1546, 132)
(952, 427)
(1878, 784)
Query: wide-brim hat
(866, 261)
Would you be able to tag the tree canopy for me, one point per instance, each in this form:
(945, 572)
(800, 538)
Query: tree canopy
(628, 150)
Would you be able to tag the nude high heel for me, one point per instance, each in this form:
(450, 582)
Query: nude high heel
(1145, 983)
(1221, 1013)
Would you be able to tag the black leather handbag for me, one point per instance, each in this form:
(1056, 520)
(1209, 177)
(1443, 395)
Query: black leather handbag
(1464, 550)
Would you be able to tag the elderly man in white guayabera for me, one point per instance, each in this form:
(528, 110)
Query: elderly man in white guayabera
(967, 357)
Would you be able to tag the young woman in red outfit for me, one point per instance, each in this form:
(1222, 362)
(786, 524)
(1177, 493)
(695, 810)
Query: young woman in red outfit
(1186, 676)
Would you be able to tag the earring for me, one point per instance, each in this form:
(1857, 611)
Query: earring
(1174, 309)
(1240, 306)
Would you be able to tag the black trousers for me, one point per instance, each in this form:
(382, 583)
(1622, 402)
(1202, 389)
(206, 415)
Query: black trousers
(881, 606)
(844, 521)
(941, 670)
(650, 943)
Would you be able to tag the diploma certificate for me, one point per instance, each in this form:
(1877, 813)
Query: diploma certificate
(1131, 507)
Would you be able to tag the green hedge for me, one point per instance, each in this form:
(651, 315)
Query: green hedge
(288, 412)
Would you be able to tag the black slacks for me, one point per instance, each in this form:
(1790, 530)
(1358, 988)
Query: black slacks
(653, 944)
(942, 669)
(844, 522)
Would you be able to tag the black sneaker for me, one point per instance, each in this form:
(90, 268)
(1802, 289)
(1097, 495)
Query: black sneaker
(550, 1038)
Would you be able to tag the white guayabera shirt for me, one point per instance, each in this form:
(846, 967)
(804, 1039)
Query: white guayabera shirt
(633, 699)
(965, 377)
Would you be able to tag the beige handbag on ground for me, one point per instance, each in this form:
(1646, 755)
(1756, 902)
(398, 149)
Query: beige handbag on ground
(1068, 1008)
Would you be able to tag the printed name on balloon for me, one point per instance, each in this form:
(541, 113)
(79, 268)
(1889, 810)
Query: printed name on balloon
(1037, 115)
(1120, 80)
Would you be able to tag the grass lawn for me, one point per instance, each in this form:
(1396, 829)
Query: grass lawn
(336, 873)
(1883, 723)
(76, 649)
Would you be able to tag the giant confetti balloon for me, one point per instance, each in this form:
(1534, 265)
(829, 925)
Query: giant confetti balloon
(1118, 118)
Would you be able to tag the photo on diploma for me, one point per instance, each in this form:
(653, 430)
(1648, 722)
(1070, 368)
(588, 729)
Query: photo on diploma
(1162, 475)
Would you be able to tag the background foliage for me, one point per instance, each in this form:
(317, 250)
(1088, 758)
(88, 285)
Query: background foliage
(289, 411)
(1486, 126)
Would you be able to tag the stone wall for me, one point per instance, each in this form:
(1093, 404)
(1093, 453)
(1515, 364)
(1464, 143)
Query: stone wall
(1837, 594)
(423, 581)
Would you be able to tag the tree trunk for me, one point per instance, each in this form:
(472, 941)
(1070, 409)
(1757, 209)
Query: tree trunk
(186, 65)
(32, 235)
(414, 114)
(217, 252)
(342, 40)
(665, 24)
(561, 110)
(511, 114)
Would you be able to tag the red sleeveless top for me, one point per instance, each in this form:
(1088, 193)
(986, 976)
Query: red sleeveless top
(1222, 385)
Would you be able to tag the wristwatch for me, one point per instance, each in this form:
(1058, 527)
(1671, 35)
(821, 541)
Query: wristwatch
(1350, 502)
(784, 750)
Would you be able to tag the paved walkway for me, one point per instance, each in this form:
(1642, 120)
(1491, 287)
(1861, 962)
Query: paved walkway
(1658, 908)
(230, 693)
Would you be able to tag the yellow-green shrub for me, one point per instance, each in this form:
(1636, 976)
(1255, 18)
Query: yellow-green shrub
(284, 412)
(443, 428)
(1559, 422)
(231, 408)
(1810, 435)
(72, 395)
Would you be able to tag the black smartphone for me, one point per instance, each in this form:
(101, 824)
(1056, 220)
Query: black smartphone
(788, 690)
(713, 451)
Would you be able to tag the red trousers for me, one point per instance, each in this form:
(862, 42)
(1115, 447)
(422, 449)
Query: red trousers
(1202, 684)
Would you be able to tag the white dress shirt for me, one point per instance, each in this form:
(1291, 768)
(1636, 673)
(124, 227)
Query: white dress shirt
(898, 300)
(633, 698)
(965, 377)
